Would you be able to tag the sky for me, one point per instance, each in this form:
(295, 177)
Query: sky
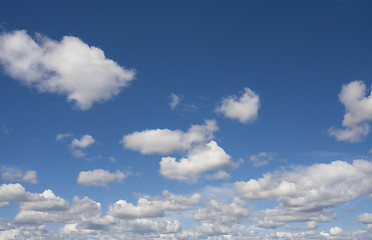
(185, 119)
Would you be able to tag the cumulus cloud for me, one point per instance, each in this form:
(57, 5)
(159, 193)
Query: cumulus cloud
(165, 141)
(148, 207)
(69, 67)
(175, 100)
(201, 159)
(358, 113)
(100, 177)
(244, 108)
(19, 176)
(308, 193)
(84, 142)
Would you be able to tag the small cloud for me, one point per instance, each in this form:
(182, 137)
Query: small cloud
(358, 113)
(261, 159)
(62, 136)
(84, 142)
(218, 175)
(175, 100)
(244, 108)
(6, 130)
(100, 177)
(14, 175)
(112, 159)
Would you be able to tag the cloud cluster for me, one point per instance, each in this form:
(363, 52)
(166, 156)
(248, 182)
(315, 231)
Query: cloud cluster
(69, 67)
(100, 177)
(261, 159)
(308, 193)
(244, 108)
(165, 141)
(358, 113)
(149, 207)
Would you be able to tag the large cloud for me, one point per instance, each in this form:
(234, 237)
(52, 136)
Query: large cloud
(100, 177)
(70, 67)
(201, 159)
(308, 193)
(358, 108)
(164, 141)
(244, 108)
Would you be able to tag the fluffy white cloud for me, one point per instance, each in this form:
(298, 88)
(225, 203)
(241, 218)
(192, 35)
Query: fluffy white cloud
(84, 142)
(16, 175)
(358, 112)
(200, 160)
(244, 108)
(175, 100)
(69, 67)
(100, 177)
(164, 141)
(308, 193)
(261, 159)
(148, 207)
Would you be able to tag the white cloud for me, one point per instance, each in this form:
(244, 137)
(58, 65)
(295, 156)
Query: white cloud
(261, 159)
(175, 100)
(335, 231)
(148, 207)
(46, 201)
(364, 218)
(245, 108)
(100, 177)
(84, 142)
(358, 108)
(201, 159)
(62, 136)
(164, 141)
(222, 212)
(17, 175)
(69, 67)
(308, 193)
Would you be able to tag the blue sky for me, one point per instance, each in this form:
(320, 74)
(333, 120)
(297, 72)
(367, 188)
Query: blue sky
(185, 120)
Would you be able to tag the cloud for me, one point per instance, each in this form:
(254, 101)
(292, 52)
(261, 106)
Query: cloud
(200, 160)
(100, 177)
(261, 159)
(364, 218)
(175, 100)
(244, 108)
(62, 136)
(84, 142)
(358, 113)
(19, 176)
(149, 207)
(165, 141)
(45, 201)
(222, 212)
(335, 231)
(308, 193)
(69, 67)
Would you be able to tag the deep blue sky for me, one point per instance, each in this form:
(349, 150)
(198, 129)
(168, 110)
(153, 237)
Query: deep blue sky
(295, 55)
